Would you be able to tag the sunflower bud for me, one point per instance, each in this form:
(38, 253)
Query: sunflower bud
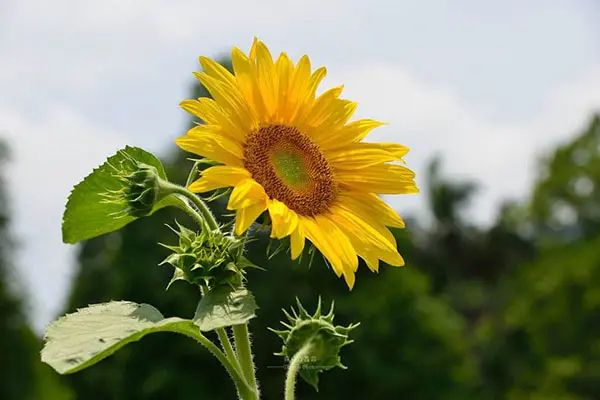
(206, 258)
(316, 338)
(139, 188)
(142, 190)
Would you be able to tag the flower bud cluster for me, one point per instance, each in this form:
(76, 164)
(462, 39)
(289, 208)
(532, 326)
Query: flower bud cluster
(207, 259)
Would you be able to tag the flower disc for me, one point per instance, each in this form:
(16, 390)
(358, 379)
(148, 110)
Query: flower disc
(291, 168)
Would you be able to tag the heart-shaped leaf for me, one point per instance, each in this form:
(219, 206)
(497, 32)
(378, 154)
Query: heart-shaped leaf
(79, 340)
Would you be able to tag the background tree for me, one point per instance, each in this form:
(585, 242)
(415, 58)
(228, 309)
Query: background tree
(23, 376)
(543, 340)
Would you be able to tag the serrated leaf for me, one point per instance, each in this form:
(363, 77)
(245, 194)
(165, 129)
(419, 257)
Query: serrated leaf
(224, 306)
(88, 213)
(79, 340)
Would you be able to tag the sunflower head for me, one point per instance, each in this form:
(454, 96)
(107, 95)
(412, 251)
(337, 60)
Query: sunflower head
(295, 153)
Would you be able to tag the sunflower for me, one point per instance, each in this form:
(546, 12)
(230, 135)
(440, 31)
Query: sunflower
(292, 153)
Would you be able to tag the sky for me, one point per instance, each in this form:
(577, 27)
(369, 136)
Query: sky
(489, 86)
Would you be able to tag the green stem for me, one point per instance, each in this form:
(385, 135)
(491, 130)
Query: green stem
(244, 352)
(193, 173)
(226, 344)
(294, 368)
(191, 211)
(245, 391)
(200, 205)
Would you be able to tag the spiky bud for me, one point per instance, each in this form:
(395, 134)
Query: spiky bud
(206, 258)
(317, 336)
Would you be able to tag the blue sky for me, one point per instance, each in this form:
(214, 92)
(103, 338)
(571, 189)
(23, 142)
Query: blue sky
(491, 86)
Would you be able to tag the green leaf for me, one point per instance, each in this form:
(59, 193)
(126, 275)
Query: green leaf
(310, 376)
(224, 306)
(88, 213)
(79, 340)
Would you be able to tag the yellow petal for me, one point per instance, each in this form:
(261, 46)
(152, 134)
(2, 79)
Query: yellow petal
(297, 242)
(327, 117)
(362, 155)
(351, 133)
(244, 75)
(219, 176)
(205, 140)
(349, 277)
(230, 99)
(217, 71)
(333, 244)
(283, 220)
(384, 179)
(267, 82)
(371, 205)
(212, 113)
(284, 69)
(370, 243)
(303, 88)
(246, 193)
(370, 231)
(244, 217)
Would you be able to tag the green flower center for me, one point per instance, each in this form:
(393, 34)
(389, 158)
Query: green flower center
(290, 167)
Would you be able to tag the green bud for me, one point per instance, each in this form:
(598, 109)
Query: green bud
(141, 188)
(206, 258)
(320, 339)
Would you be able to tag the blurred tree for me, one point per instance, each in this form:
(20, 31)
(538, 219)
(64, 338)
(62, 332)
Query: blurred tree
(18, 344)
(463, 260)
(23, 376)
(545, 342)
(542, 341)
(566, 198)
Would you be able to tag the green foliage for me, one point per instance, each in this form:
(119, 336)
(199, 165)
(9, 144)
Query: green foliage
(566, 200)
(545, 343)
(111, 196)
(81, 339)
(224, 306)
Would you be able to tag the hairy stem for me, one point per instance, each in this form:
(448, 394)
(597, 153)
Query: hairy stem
(193, 173)
(293, 369)
(191, 211)
(211, 222)
(226, 344)
(244, 352)
(245, 391)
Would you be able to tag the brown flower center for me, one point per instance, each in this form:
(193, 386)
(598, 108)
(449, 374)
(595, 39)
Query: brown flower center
(291, 168)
